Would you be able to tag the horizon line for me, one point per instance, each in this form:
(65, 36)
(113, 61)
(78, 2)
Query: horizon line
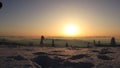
(58, 36)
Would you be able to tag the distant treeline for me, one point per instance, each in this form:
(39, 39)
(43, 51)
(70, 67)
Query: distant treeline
(113, 43)
(10, 43)
(13, 42)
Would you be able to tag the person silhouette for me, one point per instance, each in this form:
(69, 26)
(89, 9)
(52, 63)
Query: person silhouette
(42, 40)
(94, 42)
(113, 41)
(53, 43)
(88, 44)
(99, 42)
(66, 44)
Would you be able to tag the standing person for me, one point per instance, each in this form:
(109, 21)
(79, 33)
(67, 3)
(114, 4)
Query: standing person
(88, 44)
(99, 42)
(113, 41)
(94, 42)
(42, 40)
(53, 43)
(66, 44)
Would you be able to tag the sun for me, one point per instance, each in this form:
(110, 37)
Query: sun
(71, 30)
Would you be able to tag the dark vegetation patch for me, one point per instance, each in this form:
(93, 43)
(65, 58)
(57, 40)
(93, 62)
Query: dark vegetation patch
(108, 65)
(28, 49)
(44, 54)
(105, 51)
(18, 57)
(78, 65)
(58, 55)
(79, 56)
(95, 51)
(104, 57)
(107, 45)
(57, 51)
(105, 66)
(40, 53)
(74, 48)
(46, 62)
(23, 66)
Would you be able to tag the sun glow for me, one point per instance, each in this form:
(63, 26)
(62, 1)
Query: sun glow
(71, 30)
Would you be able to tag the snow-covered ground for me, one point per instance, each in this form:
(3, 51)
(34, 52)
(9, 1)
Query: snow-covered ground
(54, 57)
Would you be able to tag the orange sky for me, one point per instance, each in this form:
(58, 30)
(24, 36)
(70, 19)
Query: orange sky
(50, 18)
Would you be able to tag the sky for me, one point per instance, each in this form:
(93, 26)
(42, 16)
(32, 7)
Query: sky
(51, 17)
